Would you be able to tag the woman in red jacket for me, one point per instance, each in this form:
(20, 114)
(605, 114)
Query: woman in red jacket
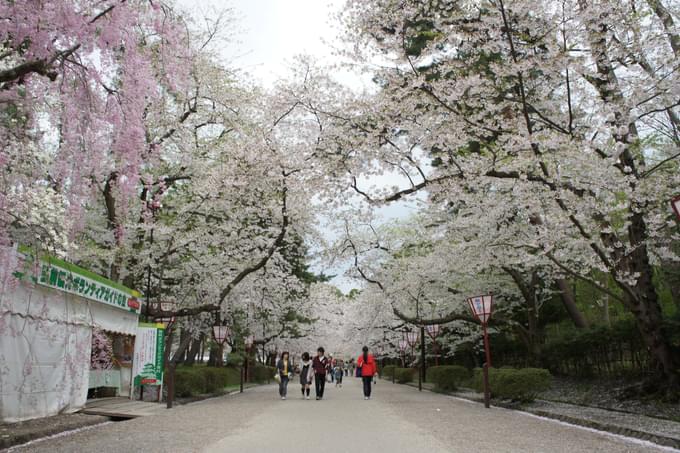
(366, 362)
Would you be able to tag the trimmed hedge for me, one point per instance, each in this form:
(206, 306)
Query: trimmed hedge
(404, 375)
(262, 373)
(448, 377)
(200, 380)
(523, 384)
(388, 372)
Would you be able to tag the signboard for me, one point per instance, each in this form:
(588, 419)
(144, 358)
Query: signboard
(147, 366)
(57, 274)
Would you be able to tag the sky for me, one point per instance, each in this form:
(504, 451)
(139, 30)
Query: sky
(268, 36)
(272, 32)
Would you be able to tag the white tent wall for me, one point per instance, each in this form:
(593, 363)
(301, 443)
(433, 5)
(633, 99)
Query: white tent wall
(45, 346)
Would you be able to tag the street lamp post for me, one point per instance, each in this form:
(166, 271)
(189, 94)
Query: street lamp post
(249, 340)
(163, 313)
(412, 339)
(402, 347)
(433, 332)
(421, 375)
(482, 307)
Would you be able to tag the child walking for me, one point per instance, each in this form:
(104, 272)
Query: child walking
(338, 375)
(306, 374)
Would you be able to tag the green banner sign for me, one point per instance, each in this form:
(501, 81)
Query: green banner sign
(67, 277)
(147, 366)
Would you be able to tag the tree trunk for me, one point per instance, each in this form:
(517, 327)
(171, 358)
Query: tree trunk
(534, 334)
(647, 309)
(641, 298)
(668, 24)
(195, 348)
(216, 353)
(569, 302)
(184, 336)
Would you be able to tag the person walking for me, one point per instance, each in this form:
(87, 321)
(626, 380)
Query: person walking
(367, 368)
(320, 365)
(285, 370)
(338, 375)
(306, 374)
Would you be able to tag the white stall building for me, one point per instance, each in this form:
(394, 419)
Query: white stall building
(48, 315)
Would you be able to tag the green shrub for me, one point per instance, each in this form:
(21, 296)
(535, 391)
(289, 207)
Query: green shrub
(215, 379)
(189, 382)
(388, 372)
(404, 375)
(521, 385)
(449, 377)
(262, 373)
(199, 379)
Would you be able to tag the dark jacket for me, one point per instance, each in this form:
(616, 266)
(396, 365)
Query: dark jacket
(320, 366)
(279, 366)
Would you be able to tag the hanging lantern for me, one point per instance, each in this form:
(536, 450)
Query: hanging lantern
(481, 307)
(403, 344)
(412, 338)
(433, 330)
(249, 341)
(221, 333)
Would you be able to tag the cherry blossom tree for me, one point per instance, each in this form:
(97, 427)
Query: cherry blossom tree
(76, 81)
(554, 120)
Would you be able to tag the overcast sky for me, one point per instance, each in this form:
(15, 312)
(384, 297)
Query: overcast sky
(270, 33)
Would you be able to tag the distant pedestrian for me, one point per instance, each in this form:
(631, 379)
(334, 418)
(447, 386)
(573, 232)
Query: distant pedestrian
(367, 367)
(285, 370)
(306, 374)
(338, 375)
(321, 365)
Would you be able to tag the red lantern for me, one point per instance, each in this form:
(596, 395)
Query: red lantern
(433, 330)
(675, 203)
(481, 307)
(412, 338)
(221, 333)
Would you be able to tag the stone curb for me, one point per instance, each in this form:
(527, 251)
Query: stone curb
(600, 426)
(46, 431)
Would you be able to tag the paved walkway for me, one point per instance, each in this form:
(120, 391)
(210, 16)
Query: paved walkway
(398, 419)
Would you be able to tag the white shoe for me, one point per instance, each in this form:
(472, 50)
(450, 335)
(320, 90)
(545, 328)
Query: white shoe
(307, 397)
(283, 397)
(365, 397)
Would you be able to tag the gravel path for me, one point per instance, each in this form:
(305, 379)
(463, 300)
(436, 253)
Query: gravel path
(398, 419)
